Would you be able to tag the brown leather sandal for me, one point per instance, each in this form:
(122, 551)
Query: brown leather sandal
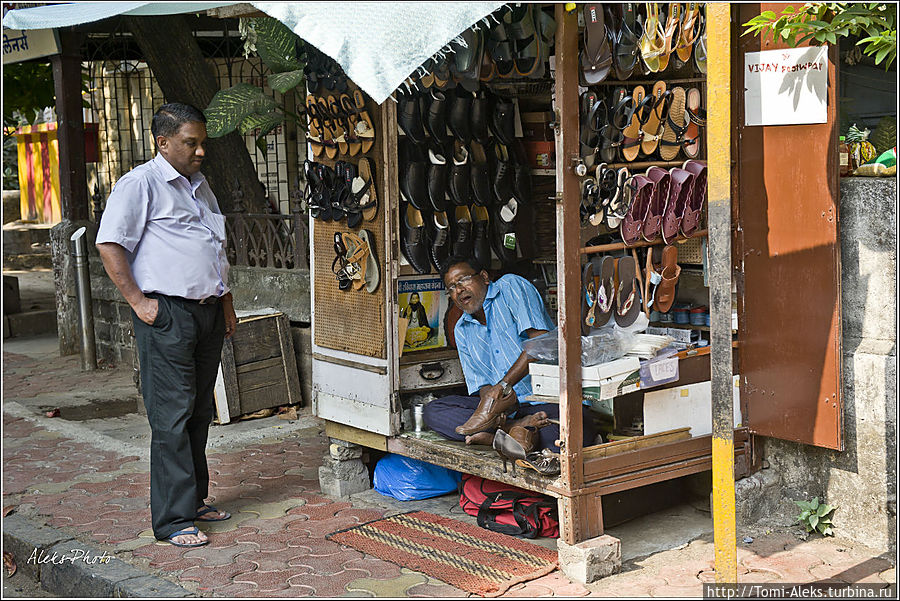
(669, 270)
(688, 32)
(314, 126)
(651, 130)
(365, 129)
(671, 34)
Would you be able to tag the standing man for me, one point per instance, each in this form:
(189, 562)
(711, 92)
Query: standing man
(162, 242)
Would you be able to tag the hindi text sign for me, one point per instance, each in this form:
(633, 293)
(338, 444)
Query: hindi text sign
(786, 87)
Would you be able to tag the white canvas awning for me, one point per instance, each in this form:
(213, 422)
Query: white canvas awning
(378, 44)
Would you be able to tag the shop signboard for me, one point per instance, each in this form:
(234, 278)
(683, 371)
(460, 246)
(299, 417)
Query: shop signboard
(21, 46)
(786, 87)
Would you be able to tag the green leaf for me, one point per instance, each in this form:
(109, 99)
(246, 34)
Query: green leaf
(802, 504)
(265, 122)
(813, 520)
(282, 82)
(824, 509)
(832, 39)
(768, 15)
(262, 145)
(276, 45)
(881, 54)
(814, 503)
(789, 10)
(828, 532)
(231, 106)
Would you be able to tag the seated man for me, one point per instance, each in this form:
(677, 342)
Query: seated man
(497, 318)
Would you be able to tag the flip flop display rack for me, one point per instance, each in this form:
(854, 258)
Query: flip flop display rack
(642, 140)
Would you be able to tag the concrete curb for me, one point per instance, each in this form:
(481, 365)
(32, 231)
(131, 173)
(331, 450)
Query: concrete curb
(71, 568)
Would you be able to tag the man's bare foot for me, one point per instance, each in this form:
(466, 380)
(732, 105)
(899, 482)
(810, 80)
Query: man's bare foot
(538, 420)
(486, 438)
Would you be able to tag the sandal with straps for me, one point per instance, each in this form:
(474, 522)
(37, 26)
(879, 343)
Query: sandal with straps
(618, 206)
(320, 199)
(633, 134)
(653, 126)
(340, 125)
(625, 38)
(670, 34)
(358, 254)
(653, 41)
(314, 127)
(329, 131)
(700, 46)
(628, 292)
(611, 134)
(673, 134)
(688, 33)
(696, 120)
(354, 142)
(313, 192)
(588, 137)
(365, 129)
(363, 190)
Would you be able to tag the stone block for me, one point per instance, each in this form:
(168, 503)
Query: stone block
(342, 453)
(12, 206)
(343, 478)
(284, 289)
(150, 587)
(80, 569)
(590, 560)
(12, 302)
(342, 443)
(24, 538)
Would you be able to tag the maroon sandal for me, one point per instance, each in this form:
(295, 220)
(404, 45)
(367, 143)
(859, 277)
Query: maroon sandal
(680, 188)
(658, 199)
(693, 209)
(641, 188)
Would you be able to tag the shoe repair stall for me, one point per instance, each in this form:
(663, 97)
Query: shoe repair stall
(738, 368)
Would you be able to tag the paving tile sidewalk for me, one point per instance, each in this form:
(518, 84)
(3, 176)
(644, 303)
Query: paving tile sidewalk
(274, 545)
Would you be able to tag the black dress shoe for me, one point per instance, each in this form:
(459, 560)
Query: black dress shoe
(503, 223)
(462, 243)
(413, 175)
(414, 242)
(503, 121)
(436, 122)
(409, 116)
(481, 175)
(481, 236)
(460, 175)
(481, 107)
(460, 115)
(503, 176)
(440, 241)
(437, 180)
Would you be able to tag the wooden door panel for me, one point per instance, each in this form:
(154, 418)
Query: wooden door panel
(790, 326)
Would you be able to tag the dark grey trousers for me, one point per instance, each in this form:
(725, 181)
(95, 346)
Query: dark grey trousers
(179, 357)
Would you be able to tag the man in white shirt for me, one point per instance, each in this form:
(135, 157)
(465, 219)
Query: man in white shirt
(162, 242)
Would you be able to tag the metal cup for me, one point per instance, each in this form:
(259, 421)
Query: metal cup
(419, 418)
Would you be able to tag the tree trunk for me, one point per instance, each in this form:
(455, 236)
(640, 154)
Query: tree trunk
(169, 47)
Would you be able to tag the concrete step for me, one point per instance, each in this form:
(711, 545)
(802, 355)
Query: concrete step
(29, 323)
(26, 245)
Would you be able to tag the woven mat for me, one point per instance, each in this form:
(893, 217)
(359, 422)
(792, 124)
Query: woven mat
(468, 557)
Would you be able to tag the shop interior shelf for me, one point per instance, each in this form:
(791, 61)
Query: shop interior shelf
(621, 245)
(649, 82)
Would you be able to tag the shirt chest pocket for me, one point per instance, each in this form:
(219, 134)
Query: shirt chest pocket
(216, 224)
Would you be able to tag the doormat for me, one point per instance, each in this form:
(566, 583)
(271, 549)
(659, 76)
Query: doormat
(468, 557)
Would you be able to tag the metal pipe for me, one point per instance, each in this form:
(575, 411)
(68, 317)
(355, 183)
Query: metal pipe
(85, 302)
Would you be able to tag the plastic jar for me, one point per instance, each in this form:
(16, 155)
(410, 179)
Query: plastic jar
(681, 314)
(699, 316)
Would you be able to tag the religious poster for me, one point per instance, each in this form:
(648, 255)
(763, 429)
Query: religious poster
(423, 303)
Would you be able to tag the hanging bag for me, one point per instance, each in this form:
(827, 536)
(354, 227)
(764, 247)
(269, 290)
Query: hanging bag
(507, 509)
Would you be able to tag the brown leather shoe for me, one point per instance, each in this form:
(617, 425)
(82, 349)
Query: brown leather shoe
(670, 270)
(488, 415)
(527, 436)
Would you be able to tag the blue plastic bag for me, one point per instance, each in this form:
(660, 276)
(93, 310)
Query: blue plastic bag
(406, 479)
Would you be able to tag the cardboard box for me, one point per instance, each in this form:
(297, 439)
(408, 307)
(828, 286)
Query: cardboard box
(536, 126)
(685, 406)
(601, 381)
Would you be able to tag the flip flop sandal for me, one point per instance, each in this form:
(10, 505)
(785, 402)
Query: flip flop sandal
(632, 134)
(192, 531)
(688, 33)
(628, 291)
(632, 224)
(340, 125)
(680, 188)
(652, 279)
(605, 276)
(671, 34)
(618, 206)
(625, 39)
(669, 272)
(676, 126)
(363, 189)
(354, 142)
(365, 129)
(589, 299)
(696, 120)
(357, 256)
(596, 57)
(652, 128)
(658, 199)
(611, 136)
(588, 139)
(700, 46)
(371, 275)
(329, 133)
(521, 28)
(211, 509)
(652, 42)
(314, 127)
(693, 208)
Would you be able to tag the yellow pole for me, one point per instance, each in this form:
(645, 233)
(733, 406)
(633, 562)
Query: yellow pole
(718, 44)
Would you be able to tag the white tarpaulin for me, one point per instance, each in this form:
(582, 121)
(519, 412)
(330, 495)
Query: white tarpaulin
(378, 44)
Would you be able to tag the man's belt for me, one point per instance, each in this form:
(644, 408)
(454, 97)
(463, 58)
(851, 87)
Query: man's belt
(209, 300)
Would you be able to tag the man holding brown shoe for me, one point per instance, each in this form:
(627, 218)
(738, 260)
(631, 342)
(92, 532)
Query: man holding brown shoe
(498, 317)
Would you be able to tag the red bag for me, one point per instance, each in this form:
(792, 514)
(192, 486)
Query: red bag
(507, 509)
